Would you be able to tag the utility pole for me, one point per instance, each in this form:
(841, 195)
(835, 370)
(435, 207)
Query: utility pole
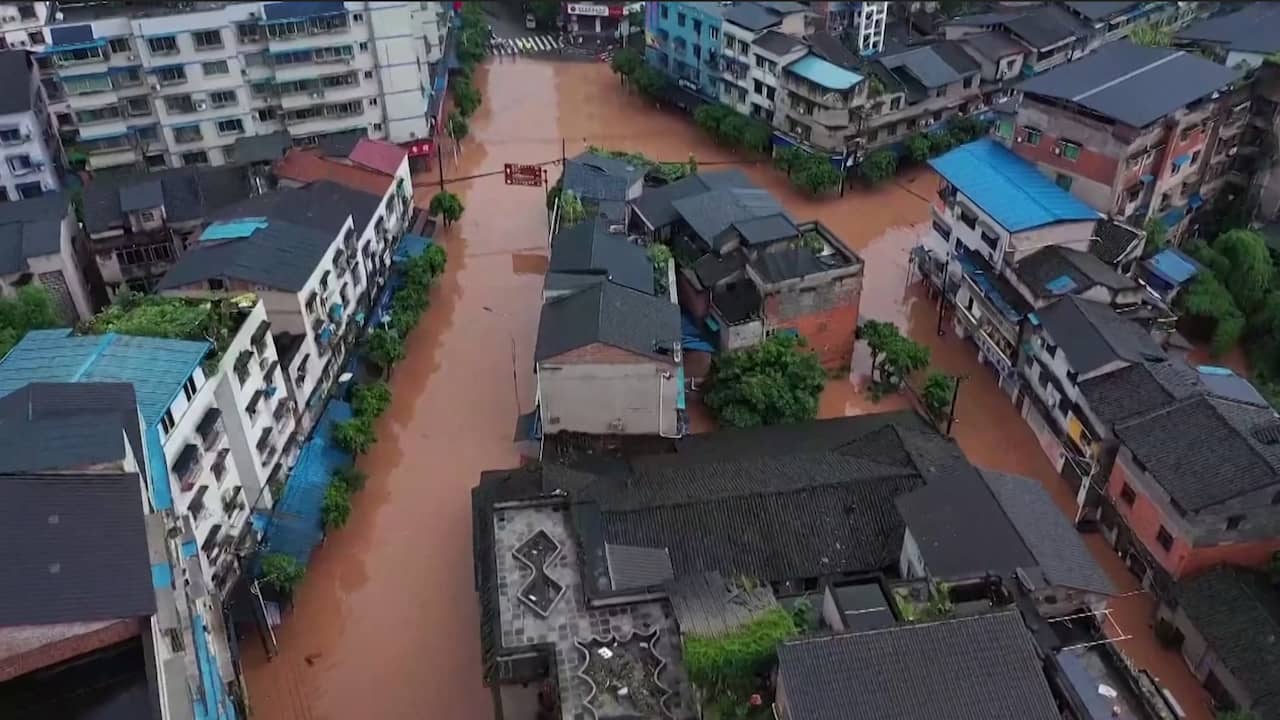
(942, 293)
(955, 394)
(563, 158)
(440, 158)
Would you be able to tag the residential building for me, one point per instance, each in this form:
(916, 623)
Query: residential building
(37, 245)
(301, 252)
(596, 177)
(742, 60)
(918, 89)
(22, 24)
(32, 152)
(770, 51)
(994, 211)
(1168, 272)
(817, 101)
(168, 86)
(138, 225)
(1052, 32)
(608, 362)
(999, 55)
(588, 254)
(1225, 622)
(1246, 35)
(1127, 130)
(866, 25)
(973, 668)
(684, 41)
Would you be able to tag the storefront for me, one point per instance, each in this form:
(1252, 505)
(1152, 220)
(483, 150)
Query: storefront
(601, 23)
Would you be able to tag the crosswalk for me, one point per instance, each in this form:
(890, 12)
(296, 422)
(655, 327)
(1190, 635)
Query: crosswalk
(525, 45)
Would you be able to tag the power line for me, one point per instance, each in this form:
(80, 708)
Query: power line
(550, 163)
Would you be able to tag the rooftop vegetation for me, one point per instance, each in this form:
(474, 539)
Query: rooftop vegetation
(214, 320)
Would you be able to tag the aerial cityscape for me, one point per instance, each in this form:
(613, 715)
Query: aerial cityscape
(639, 360)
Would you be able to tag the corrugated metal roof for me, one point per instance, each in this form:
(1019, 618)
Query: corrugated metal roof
(828, 75)
(1008, 188)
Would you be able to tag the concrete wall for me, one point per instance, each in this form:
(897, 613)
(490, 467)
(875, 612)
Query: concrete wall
(601, 389)
(824, 311)
(709, 40)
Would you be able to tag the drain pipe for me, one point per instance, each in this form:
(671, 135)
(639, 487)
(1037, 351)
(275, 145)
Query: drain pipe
(662, 379)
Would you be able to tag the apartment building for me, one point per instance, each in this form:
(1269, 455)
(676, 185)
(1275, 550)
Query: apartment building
(37, 246)
(28, 141)
(866, 21)
(138, 225)
(22, 25)
(1127, 130)
(748, 69)
(176, 85)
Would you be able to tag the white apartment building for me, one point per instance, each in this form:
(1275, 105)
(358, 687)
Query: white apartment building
(22, 25)
(866, 24)
(769, 53)
(28, 142)
(742, 25)
(177, 85)
(36, 248)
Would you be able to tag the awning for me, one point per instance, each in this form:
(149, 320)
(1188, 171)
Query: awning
(1173, 216)
(1181, 160)
(411, 246)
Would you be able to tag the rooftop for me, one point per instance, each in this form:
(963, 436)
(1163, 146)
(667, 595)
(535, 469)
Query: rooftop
(1140, 388)
(378, 155)
(933, 66)
(1046, 26)
(18, 66)
(1172, 265)
(1112, 241)
(777, 43)
(656, 206)
(994, 45)
(824, 73)
(612, 315)
(30, 228)
(188, 194)
(66, 426)
(585, 249)
(1132, 84)
(307, 166)
(976, 668)
(711, 214)
(594, 176)
(752, 16)
(1103, 10)
(273, 253)
(323, 205)
(1009, 189)
(1058, 270)
(1094, 336)
(1254, 28)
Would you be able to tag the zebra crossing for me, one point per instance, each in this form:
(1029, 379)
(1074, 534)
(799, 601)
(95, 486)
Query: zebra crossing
(525, 45)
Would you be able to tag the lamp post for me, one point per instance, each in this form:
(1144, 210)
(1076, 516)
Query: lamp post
(515, 382)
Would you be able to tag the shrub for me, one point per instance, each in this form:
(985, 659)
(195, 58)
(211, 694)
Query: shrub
(352, 477)
(879, 166)
(726, 665)
(335, 508)
(371, 400)
(355, 436)
(386, 348)
(777, 381)
(281, 572)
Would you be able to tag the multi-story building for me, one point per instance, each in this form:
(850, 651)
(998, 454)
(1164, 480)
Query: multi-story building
(1127, 130)
(684, 41)
(174, 85)
(866, 21)
(749, 69)
(37, 246)
(22, 25)
(32, 152)
(139, 225)
(816, 102)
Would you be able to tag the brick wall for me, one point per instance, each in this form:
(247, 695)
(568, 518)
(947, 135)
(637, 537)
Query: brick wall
(826, 316)
(55, 651)
(1091, 164)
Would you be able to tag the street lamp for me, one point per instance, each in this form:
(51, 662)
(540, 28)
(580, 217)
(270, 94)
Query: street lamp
(515, 382)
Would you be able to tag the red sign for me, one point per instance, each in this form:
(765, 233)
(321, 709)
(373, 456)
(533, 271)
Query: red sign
(422, 148)
(528, 175)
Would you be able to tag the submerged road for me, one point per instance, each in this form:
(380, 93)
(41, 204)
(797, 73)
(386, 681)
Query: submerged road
(386, 622)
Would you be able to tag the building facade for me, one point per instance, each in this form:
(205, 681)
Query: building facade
(37, 242)
(28, 139)
(685, 41)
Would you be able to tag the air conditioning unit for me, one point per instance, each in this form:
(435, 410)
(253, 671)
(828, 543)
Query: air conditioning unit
(317, 94)
(1056, 150)
(131, 56)
(202, 106)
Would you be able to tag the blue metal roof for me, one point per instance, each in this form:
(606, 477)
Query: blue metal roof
(290, 10)
(1008, 188)
(828, 75)
(1170, 264)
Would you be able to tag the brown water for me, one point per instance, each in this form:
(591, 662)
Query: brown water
(386, 623)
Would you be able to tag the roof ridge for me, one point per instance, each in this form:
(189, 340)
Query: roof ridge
(1129, 75)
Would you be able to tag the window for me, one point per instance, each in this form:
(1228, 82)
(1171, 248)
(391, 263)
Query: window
(218, 67)
(1234, 521)
(969, 219)
(1069, 150)
(137, 106)
(217, 284)
(147, 216)
(26, 11)
(260, 89)
(233, 126)
(102, 114)
(697, 27)
(991, 241)
(258, 59)
(1164, 538)
(364, 47)
(229, 154)
(154, 162)
(11, 135)
(199, 157)
(895, 104)
(222, 98)
(35, 37)
(662, 12)
(179, 104)
(1032, 135)
(163, 45)
(1063, 181)
(1195, 156)
(188, 134)
(267, 114)
(971, 82)
(249, 32)
(1050, 349)
(120, 45)
(189, 387)
(680, 19)
(1128, 495)
(175, 75)
(127, 77)
(368, 74)
(30, 190)
(940, 92)
(20, 163)
(166, 422)
(207, 39)
(357, 17)
(713, 33)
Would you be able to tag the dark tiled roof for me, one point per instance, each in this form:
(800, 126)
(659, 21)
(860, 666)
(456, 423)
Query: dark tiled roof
(710, 214)
(584, 248)
(1057, 547)
(933, 66)
(975, 668)
(1132, 84)
(1046, 26)
(1046, 267)
(1203, 450)
(736, 300)
(1102, 10)
(787, 264)
(609, 314)
(1112, 240)
(64, 426)
(1139, 389)
(777, 43)
(1254, 28)
(74, 549)
(17, 65)
(281, 256)
(189, 194)
(752, 16)
(712, 267)
(656, 205)
(142, 196)
(1093, 335)
(1238, 612)
(322, 205)
(262, 148)
(767, 229)
(632, 567)
(829, 48)
(30, 228)
(994, 45)
(600, 177)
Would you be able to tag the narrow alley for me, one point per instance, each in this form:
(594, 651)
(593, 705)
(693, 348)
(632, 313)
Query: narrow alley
(385, 624)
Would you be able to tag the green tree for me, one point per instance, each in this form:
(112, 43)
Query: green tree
(756, 135)
(386, 348)
(877, 334)
(446, 206)
(32, 308)
(335, 507)
(708, 118)
(879, 166)
(1157, 236)
(625, 62)
(1209, 301)
(940, 142)
(457, 125)
(789, 159)
(281, 572)
(816, 175)
(648, 80)
(918, 147)
(571, 210)
(436, 258)
(355, 436)
(351, 476)
(936, 394)
(371, 400)
(777, 381)
(1249, 267)
(966, 128)
(660, 257)
(465, 97)
(1151, 35)
(546, 12)
(901, 357)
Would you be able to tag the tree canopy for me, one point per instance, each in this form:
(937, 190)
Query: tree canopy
(446, 206)
(879, 166)
(777, 381)
(893, 356)
(32, 308)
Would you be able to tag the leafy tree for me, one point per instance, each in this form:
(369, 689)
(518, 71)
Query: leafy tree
(816, 175)
(777, 381)
(660, 256)
(1208, 300)
(335, 508)
(1157, 236)
(804, 615)
(351, 476)
(966, 128)
(918, 147)
(457, 125)
(648, 80)
(386, 348)
(546, 12)
(725, 667)
(893, 357)
(571, 210)
(879, 166)
(936, 394)
(756, 135)
(281, 572)
(371, 400)
(32, 308)
(940, 142)
(435, 258)
(1249, 267)
(625, 62)
(789, 159)
(553, 194)
(446, 206)
(355, 436)
(465, 97)
(877, 334)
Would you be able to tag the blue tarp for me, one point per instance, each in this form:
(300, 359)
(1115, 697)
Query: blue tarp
(1172, 266)
(691, 336)
(295, 526)
(232, 229)
(411, 246)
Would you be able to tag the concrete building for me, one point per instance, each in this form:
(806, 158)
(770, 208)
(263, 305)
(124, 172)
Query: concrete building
(749, 68)
(817, 103)
(139, 225)
(866, 23)
(684, 41)
(37, 246)
(1127, 130)
(28, 138)
(22, 25)
(178, 85)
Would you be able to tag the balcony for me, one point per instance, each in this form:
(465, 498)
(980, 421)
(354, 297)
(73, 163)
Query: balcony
(283, 409)
(210, 428)
(264, 439)
(219, 466)
(186, 468)
(233, 501)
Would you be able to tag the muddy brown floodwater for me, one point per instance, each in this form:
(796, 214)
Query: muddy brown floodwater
(386, 622)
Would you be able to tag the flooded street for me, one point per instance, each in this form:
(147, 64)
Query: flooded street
(386, 622)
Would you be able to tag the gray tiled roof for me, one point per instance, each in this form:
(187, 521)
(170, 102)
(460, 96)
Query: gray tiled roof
(1203, 450)
(777, 43)
(1057, 547)
(600, 177)
(17, 65)
(656, 205)
(1139, 389)
(584, 247)
(1111, 240)
(610, 314)
(711, 213)
(767, 229)
(323, 206)
(1046, 26)
(1102, 10)
(1253, 28)
(142, 196)
(632, 567)
(1042, 267)
(73, 548)
(1132, 84)
(930, 67)
(262, 148)
(189, 194)
(63, 426)
(30, 228)
(281, 256)
(1238, 613)
(994, 45)
(1093, 335)
(975, 668)
(752, 16)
